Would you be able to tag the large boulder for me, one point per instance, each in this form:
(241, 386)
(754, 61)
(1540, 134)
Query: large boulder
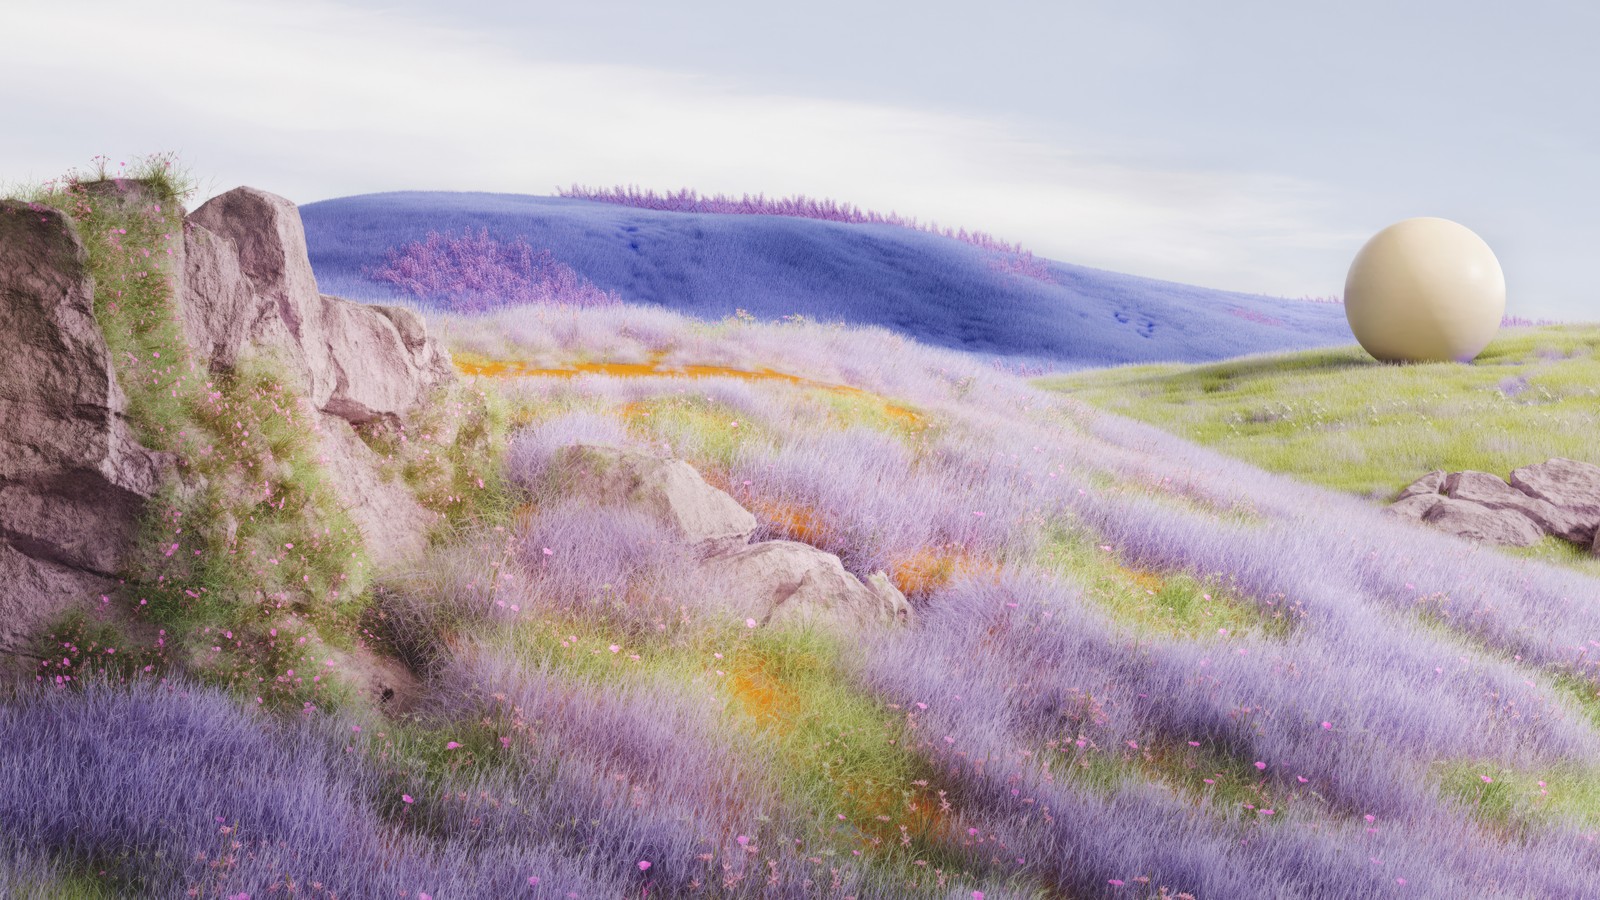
(248, 288)
(668, 489)
(1414, 508)
(1506, 527)
(1569, 484)
(73, 480)
(1492, 492)
(787, 582)
(383, 362)
(1428, 485)
(252, 288)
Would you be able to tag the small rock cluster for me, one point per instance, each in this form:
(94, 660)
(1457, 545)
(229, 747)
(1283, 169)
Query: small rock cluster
(770, 582)
(1558, 497)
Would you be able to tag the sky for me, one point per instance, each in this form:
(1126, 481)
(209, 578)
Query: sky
(1242, 145)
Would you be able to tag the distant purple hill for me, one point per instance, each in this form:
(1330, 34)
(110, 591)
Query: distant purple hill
(937, 290)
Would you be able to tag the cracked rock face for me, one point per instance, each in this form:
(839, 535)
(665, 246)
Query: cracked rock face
(1559, 497)
(73, 479)
(248, 288)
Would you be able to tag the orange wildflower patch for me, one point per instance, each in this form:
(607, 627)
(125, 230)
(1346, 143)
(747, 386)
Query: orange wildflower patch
(1149, 581)
(879, 811)
(930, 568)
(472, 364)
(799, 523)
(763, 698)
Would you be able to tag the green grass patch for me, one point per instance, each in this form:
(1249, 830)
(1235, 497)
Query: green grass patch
(840, 752)
(76, 649)
(448, 455)
(1171, 603)
(582, 648)
(707, 432)
(1337, 418)
(1512, 803)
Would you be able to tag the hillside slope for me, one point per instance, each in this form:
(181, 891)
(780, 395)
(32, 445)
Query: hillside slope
(936, 290)
(1341, 420)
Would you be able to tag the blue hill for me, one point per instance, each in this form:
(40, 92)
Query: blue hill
(934, 289)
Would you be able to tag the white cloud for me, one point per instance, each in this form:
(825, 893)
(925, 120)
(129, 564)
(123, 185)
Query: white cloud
(314, 100)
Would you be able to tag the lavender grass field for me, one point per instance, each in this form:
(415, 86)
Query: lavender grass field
(1136, 668)
(710, 257)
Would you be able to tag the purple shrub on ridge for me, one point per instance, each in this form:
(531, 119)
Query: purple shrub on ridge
(1009, 257)
(475, 273)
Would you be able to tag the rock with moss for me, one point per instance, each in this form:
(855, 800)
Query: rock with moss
(393, 524)
(73, 479)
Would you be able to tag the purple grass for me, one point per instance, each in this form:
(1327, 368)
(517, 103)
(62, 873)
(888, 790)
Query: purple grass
(1009, 257)
(1405, 649)
(174, 788)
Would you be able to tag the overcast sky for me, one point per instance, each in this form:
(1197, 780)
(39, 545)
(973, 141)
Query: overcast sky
(1244, 145)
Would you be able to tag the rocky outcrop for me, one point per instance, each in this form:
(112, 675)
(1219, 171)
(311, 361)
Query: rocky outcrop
(1568, 484)
(248, 288)
(770, 582)
(1560, 497)
(252, 289)
(73, 480)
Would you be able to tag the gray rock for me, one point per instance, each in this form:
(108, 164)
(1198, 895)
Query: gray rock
(73, 480)
(1431, 483)
(1491, 492)
(279, 309)
(1413, 508)
(787, 582)
(669, 489)
(248, 288)
(1507, 527)
(394, 526)
(1569, 484)
(379, 370)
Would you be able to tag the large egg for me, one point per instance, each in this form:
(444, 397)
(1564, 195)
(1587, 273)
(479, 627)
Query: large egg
(1425, 290)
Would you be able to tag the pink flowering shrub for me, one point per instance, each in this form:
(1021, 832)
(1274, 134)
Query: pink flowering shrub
(475, 273)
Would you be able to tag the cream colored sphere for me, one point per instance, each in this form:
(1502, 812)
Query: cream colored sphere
(1425, 290)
